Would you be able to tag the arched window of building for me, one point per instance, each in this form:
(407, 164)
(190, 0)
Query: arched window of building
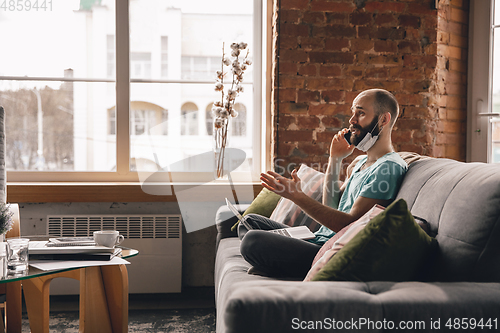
(189, 119)
(209, 119)
(145, 117)
(239, 123)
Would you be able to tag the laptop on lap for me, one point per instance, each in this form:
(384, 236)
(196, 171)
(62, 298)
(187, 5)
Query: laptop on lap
(300, 232)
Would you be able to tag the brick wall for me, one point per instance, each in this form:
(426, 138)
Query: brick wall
(329, 51)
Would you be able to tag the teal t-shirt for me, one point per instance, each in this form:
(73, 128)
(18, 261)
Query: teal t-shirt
(381, 181)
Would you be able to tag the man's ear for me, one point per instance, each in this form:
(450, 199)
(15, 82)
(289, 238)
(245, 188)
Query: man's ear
(385, 119)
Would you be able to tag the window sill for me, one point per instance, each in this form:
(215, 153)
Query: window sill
(119, 192)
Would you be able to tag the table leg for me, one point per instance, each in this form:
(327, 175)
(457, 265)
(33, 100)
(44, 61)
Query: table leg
(14, 307)
(36, 296)
(104, 299)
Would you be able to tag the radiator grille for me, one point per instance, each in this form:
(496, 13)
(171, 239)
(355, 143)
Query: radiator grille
(130, 226)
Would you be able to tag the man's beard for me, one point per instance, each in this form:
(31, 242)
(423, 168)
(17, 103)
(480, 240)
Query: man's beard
(363, 131)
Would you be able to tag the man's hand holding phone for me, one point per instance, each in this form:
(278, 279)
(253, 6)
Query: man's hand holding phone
(340, 146)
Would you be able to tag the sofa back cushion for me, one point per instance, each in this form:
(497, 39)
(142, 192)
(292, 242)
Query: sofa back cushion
(461, 202)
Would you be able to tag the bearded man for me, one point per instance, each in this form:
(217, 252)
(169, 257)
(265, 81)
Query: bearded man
(375, 179)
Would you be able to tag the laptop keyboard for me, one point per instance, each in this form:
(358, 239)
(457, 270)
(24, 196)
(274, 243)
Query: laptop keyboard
(282, 232)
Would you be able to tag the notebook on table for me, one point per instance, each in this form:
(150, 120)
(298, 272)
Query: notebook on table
(299, 232)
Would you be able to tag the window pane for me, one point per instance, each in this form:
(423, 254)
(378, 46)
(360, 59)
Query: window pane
(495, 89)
(45, 42)
(56, 126)
(496, 13)
(187, 133)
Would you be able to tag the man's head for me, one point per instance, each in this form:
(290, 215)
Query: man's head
(372, 110)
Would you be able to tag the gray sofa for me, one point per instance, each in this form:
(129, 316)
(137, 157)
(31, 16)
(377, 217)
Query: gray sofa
(461, 202)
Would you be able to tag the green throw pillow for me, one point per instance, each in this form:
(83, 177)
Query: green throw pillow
(392, 247)
(263, 204)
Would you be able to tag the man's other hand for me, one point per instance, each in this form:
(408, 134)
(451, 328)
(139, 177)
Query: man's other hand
(287, 188)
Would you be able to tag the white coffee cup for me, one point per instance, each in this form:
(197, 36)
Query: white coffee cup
(108, 238)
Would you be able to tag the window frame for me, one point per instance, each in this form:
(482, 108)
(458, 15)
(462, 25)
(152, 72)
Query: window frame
(479, 95)
(261, 83)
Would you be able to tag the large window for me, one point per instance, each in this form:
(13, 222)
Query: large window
(484, 82)
(103, 87)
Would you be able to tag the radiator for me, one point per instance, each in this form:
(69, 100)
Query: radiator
(158, 238)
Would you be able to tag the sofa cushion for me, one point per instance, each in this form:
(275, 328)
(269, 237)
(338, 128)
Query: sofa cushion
(392, 247)
(263, 204)
(288, 212)
(461, 203)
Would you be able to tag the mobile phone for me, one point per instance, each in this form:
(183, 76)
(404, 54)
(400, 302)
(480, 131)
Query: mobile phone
(347, 137)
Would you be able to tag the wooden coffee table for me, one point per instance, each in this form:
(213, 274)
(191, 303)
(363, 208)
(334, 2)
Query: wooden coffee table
(103, 297)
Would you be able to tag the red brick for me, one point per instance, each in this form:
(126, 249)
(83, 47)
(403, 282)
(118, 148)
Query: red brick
(378, 6)
(329, 71)
(411, 148)
(294, 136)
(337, 18)
(410, 124)
(385, 46)
(287, 95)
(290, 16)
(285, 149)
(421, 8)
(291, 29)
(326, 136)
(451, 27)
(361, 45)
(358, 18)
(331, 57)
(286, 120)
(294, 4)
(451, 126)
(409, 47)
(336, 44)
(334, 30)
(409, 99)
(311, 43)
(289, 42)
(325, 84)
(376, 72)
(307, 70)
(331, 122)
(286, 67)
(371, 84)
(409, 21)
(401, 136)
(429, 22)
(456, 114)
(307, 96)
(294, 55)
(374, 32)
(417, 85)
(309, 148)
(354, 70)
(385, 59)
(328, 6)
(418, 112)
(313, 17)
(291, 82)
(327, 109)
(412, 74)
(332, 96)
(293, 108)
(385, 20)
(420, 60)
(458, 65)
(308, 122)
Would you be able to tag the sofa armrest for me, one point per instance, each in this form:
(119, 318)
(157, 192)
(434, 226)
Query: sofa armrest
(225, 219)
